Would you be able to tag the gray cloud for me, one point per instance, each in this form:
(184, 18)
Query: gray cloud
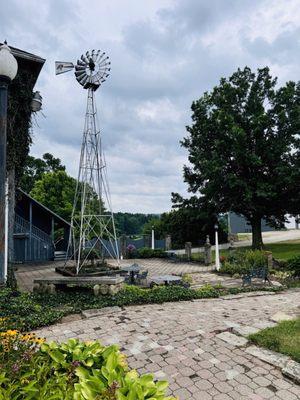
(165, 54)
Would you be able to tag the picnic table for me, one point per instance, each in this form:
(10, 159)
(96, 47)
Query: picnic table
(133, 270)
(166, 279)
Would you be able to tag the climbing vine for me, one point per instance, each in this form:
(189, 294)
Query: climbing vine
(19, 121)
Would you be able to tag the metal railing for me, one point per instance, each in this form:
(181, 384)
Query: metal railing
(23, 226)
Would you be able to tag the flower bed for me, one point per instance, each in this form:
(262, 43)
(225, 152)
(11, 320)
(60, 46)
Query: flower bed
(34, 369)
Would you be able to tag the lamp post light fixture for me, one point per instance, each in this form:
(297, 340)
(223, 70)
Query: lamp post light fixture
(36, 103)
(8, 71)
(217, 254)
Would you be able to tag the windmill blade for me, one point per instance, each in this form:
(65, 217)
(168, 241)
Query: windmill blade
(62, 66)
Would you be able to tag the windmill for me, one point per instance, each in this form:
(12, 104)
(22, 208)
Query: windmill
(92, 222)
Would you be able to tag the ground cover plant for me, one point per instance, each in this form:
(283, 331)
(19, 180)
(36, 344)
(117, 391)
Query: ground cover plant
(26, 311)
(283, 338)
(34, 369)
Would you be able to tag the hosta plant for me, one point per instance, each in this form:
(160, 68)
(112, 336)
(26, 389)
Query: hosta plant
(78, 371)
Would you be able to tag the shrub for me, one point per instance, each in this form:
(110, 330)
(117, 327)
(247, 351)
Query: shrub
(198, 257)
(293, 264)
(240, 263)
(147, 252)
(76, 370)
(91, 255)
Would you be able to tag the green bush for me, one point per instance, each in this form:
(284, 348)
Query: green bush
(293, 264)
(146, 252)
(198, 257)
(241, 263)
(73, 370)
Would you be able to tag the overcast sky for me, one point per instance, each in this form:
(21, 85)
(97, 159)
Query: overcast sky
(164, 55)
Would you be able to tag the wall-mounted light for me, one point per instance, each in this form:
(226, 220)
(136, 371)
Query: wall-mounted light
(36, 103)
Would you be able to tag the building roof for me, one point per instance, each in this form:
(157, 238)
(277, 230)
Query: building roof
(54, 215)
(29, 61)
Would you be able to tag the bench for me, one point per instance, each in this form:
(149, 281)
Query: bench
(101, 284)
(261, 273)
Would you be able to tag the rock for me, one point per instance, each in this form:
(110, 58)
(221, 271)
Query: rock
(292, 370)
(104, 289)
(51, 288)
(244, 330)
(232, 339)
(281, 316)
(100, 311)
(96, 289)
(270, 357)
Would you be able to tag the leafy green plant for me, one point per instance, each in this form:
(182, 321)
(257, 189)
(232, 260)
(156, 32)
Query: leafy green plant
(293, 265)
(146, 252)
(78, 371)
(240, 263)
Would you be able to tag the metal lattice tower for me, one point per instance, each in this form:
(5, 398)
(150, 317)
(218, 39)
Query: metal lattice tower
(92, 223)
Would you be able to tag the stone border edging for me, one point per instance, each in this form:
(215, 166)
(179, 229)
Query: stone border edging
(287, 366)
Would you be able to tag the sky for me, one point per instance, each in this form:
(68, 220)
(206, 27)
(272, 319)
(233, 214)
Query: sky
(164, 54)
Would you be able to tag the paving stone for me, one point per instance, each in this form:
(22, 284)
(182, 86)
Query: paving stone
(276, 359)
(99, 312)
(165, 339)
(232, 339)
(245, 330)
(281, 316)
(292, 370)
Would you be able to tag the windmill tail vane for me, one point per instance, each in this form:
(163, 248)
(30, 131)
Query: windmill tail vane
(92, 222)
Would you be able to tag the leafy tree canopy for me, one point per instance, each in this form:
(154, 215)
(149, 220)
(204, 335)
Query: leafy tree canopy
(35, 168)
(243, 148)
(56, 191)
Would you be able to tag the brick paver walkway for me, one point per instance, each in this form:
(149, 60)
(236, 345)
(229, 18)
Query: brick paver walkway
(180, 342)
(27, 273)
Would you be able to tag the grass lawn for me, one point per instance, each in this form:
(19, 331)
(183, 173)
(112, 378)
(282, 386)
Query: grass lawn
(284, 250)
(283, 338)
(280, 251)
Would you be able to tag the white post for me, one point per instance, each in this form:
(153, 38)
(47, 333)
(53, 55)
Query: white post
(152, 239)
(217, 255)
(6, 232)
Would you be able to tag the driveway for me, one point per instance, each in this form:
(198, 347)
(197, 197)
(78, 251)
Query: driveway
(183, 343)
(268, 237)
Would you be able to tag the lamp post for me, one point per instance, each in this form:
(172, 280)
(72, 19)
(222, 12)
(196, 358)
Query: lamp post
(217, 255)
(152, 239)
(8, 71)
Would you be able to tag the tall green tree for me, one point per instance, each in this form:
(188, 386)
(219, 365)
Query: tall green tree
(35, 168)
(56, 190)
(243, 148)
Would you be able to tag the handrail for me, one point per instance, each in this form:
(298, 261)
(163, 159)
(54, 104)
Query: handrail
(24, 227)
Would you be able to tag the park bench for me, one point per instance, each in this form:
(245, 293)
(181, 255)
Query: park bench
(262, 273)
(101, 284)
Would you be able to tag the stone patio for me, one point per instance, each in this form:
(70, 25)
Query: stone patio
(190, 344)
(201, 274)
(27, 273)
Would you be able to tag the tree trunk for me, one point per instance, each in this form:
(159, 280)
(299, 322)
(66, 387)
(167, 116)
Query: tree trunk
(257, 242)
